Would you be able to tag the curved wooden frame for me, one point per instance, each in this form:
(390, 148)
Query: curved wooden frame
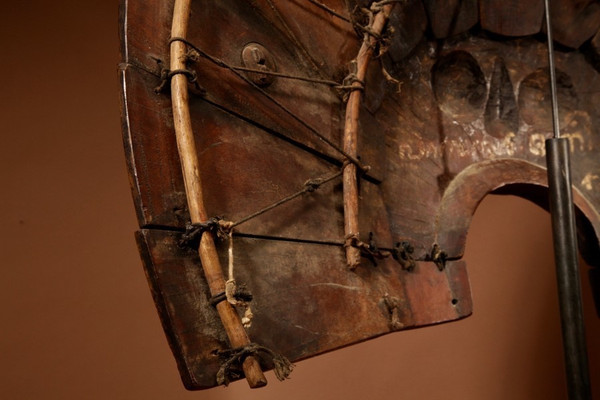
(470, 187)
(193, 186)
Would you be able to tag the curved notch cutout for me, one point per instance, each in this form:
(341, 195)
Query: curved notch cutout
(506, 176)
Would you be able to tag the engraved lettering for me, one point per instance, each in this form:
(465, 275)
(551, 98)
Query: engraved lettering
(589, 180)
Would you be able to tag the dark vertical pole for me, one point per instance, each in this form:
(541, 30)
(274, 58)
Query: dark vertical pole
(565, 247)
(567, 269)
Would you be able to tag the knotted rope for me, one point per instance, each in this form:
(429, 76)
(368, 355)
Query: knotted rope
(369, 250)
(233, 294)
(230, 368)
(193, 232)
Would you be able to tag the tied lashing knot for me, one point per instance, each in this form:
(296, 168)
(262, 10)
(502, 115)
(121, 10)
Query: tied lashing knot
(350, 83)
(237, 295)
(369, 250)
(438, 256)
(232, 291)
(166, 75)
(377, 6)
(231, 368)
(240, 294)
(193, 232)
(394, 308)
(313, 184)
(372, 38)
(403, 253)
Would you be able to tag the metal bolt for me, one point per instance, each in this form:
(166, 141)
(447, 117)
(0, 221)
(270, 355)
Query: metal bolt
(255, 56)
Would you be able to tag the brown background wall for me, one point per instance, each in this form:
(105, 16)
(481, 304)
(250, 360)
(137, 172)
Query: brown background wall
(77, 319)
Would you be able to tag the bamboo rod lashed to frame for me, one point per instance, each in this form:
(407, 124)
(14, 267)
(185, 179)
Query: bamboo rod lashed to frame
(350, 138)
(193, 186)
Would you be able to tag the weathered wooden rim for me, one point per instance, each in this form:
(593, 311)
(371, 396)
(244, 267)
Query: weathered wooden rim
(474, 183)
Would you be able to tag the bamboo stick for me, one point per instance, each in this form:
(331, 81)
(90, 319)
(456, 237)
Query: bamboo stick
(350, 138)
(193, 186)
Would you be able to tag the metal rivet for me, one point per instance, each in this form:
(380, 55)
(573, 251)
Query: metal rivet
(256, 56)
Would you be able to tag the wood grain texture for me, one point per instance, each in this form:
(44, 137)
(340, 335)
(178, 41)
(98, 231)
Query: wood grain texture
(192, 177)
(305, 301)
(574, 21)
(444, 124)
(511, 17)
(448, 18)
